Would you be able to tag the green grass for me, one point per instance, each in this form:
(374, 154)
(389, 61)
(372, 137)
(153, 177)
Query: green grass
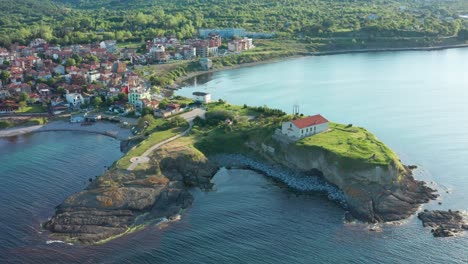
(352, 143)
(153, 139)
(4, 124)
(31, 109)
(35, 121)
(236, 109)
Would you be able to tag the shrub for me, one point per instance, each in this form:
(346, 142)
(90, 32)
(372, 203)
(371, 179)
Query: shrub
(215, 117)
(5, 124)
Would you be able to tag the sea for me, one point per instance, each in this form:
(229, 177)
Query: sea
(416, 102)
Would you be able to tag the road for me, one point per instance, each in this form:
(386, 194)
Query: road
(189, 116)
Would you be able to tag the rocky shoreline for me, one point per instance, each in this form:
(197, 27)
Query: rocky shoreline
(394, 205)
(295, 180)
(120, 201)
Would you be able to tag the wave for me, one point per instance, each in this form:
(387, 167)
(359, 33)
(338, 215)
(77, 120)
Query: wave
(48, 242)
(293, 179)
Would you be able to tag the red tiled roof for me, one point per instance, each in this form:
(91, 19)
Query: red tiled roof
(310, 121)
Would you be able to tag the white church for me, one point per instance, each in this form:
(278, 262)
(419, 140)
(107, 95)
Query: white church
(305, 127)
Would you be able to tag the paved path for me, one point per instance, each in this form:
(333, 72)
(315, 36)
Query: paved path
(189, 116)
(104, 128)
(19, 131)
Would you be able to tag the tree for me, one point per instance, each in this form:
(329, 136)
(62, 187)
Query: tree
(110, 101)
(5, 75)
(155, 89)
(70, 62)
(163, 104)
(97, 101)
(23, 96)
(77, 58)
(121, 96)
(22, 104)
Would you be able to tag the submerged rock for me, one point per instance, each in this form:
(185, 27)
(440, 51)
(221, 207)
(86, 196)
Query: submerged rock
(445, 223)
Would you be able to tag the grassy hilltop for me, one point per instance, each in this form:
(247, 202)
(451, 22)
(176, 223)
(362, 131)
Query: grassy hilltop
(352, 147)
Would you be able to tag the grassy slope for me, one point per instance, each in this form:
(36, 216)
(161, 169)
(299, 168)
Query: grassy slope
(155, 136)
(352, 147)
(31, 109)
(34, 121)
(153, 139)
(351, 142)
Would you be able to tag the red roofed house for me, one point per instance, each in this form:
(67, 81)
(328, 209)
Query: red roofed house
(305, 127)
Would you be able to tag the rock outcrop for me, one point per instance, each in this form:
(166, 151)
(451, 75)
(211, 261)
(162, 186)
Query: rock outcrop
(373, 193)
(120, 200)
(444, 223)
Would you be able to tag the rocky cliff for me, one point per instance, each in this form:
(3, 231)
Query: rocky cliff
(374, 193)
(120, 200)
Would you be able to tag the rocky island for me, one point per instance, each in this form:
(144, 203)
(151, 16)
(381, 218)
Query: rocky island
(374, 185)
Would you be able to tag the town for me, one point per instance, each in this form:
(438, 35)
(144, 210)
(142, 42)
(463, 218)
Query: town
(53, 80)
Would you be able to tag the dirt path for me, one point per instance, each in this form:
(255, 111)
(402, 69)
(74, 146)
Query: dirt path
(189, 116)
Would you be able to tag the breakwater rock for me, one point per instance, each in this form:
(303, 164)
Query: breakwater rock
(293, 179)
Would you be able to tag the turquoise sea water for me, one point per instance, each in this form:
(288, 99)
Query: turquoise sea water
(416, 102)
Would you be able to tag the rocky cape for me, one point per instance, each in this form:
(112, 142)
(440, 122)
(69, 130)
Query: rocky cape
(119, 200)
(373, 193)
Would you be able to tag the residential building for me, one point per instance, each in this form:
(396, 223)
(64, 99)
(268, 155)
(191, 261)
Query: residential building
(74, 99)
(8, 106)
(147, 103)
(170, 110)
(214, 40)
(93, 76)
(239, 45)
(202, 97)
(119, 67)
(137, 94)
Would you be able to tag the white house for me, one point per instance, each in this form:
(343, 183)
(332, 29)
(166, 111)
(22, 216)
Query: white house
(137, 94)
(202, 97)
(305, 127)
(93, 76)
(74, 99)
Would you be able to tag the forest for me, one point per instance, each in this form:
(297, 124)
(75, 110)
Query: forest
(83, 21)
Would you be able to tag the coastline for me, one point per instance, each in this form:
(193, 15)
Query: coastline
(106, 129)
(191, 75)
(376, 50)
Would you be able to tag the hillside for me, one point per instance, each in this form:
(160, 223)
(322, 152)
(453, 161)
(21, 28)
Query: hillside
(82, 21)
